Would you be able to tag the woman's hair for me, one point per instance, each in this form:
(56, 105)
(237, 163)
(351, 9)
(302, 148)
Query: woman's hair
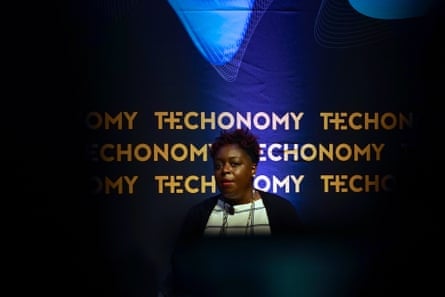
(243, 137)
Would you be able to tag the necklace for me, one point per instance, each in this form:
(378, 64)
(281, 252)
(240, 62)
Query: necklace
(250, 218)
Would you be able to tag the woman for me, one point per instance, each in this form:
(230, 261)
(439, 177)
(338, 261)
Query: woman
(206, 247)
(239, 209)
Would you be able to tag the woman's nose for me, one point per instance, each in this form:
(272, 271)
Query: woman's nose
(227, 168)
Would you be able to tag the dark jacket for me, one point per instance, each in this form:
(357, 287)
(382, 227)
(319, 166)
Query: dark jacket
(198, 261)
(283, 218)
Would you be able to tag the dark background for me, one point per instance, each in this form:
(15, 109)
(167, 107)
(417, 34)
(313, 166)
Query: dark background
(67, 242)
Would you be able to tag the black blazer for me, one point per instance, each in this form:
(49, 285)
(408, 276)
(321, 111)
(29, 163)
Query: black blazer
(283, 217)
(195, 256)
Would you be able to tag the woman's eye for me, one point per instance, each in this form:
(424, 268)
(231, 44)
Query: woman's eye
(218, 166)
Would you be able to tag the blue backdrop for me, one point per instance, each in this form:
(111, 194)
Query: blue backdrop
(122, 97)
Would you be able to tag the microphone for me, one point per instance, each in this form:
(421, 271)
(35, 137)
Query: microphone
(229, 208)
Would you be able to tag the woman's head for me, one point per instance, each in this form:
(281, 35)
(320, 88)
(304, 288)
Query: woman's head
(243, 137)
(235, 157)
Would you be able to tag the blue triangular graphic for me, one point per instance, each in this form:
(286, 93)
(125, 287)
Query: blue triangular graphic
(221, 29)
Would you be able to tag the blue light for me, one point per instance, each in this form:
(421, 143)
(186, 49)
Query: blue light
(217, 28)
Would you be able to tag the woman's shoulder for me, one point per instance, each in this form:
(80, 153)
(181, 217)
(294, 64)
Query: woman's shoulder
(278, 205)
(283, 216)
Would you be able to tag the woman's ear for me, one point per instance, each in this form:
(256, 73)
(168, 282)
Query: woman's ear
(253, 169)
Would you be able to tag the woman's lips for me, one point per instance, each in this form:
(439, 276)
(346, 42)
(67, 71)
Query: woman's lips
(227, 183)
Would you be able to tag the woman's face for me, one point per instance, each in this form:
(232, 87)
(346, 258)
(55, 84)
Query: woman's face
(234, 171)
